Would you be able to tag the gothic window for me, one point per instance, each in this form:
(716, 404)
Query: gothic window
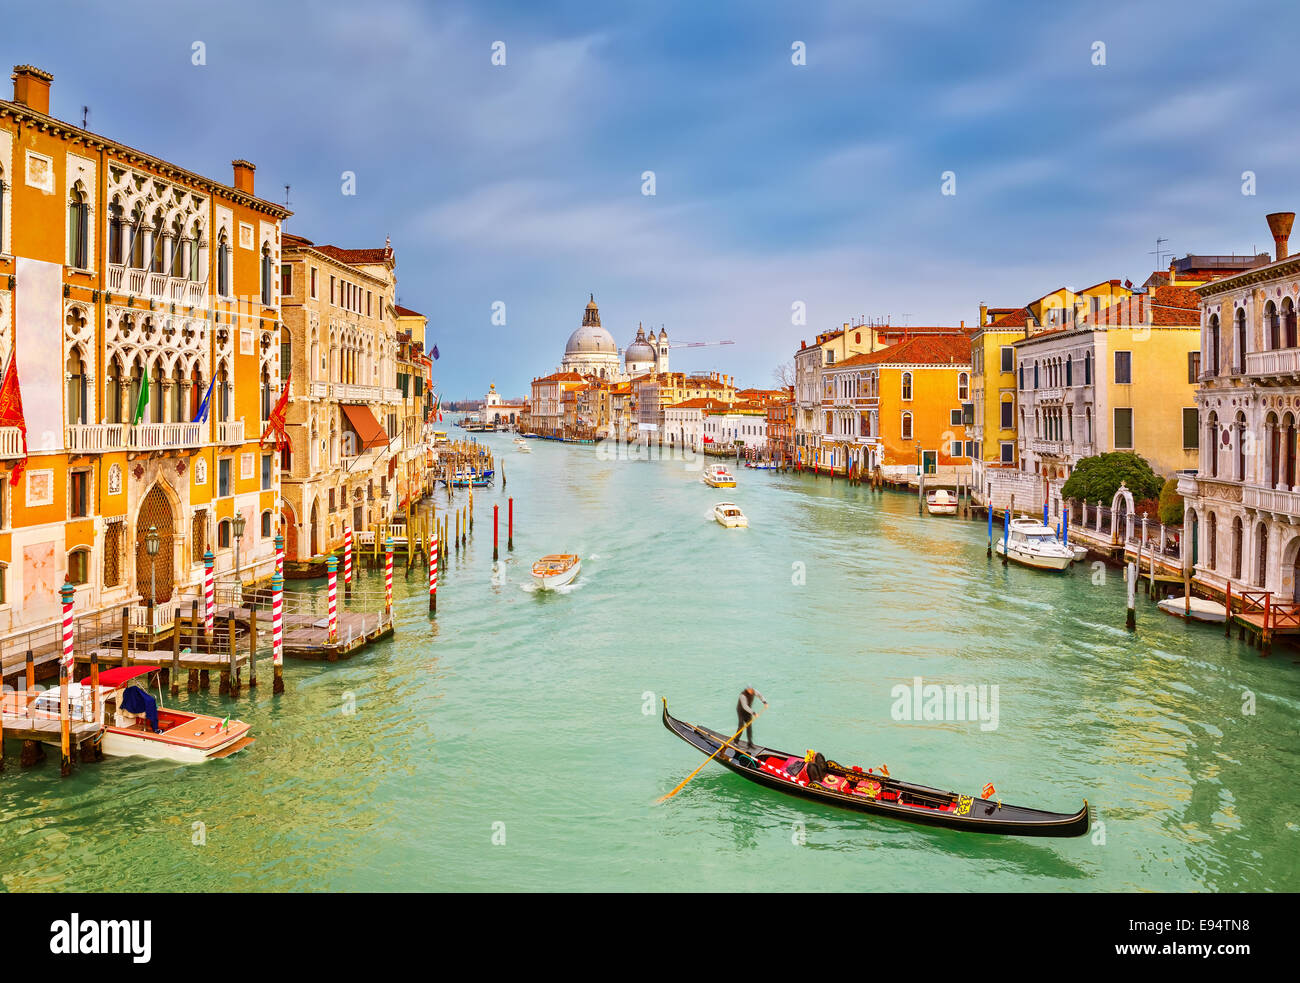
(267, 274)
(79, 230)
(223, 266)
(115, 229)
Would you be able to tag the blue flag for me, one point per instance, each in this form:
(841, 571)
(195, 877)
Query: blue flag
(435, 353)
(202, 415)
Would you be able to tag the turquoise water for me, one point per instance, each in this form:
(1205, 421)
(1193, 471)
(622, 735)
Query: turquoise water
(534, 719)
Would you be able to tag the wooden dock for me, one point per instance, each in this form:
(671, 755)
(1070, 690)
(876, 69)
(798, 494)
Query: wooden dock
(306, 636)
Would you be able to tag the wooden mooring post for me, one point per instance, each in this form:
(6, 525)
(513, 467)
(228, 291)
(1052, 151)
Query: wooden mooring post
(176, 656)
(1131, 577)
(32, 751)
(252, 638)
(192, 678)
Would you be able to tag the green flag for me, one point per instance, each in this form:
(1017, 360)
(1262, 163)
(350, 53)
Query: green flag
(143, 401)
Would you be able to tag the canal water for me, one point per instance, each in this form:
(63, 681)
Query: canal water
(516, 743)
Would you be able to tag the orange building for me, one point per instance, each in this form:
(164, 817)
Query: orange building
(127, 286)
(899, 406)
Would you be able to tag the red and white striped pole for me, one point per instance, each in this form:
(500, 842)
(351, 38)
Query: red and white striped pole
(277, 631)
(433, 573)
(347, 562)
(388, 575)
(279, 554)
(208, 561)
(67, 594)
(332, 575)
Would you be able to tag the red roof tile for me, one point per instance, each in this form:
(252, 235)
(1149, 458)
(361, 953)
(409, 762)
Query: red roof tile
(925, 350)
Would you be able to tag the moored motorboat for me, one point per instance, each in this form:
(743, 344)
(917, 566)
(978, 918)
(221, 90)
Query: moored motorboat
(941, 502)
(556, 570)
(521, 445)
(879, 794)
(136, 725)
(728, 514)
(717, 476)
(1032, 544)
(1200, 609)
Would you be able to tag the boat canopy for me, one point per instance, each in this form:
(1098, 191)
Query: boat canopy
(120, 676)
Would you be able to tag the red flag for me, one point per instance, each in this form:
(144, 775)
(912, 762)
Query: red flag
(11, 414)
(276, 423)
(989, 791)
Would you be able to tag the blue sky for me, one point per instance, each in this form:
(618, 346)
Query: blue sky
(775, 183)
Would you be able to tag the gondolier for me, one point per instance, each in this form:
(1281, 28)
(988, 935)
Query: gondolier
(745, 711)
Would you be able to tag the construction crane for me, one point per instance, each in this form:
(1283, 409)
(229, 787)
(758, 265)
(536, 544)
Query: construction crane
(697, 344)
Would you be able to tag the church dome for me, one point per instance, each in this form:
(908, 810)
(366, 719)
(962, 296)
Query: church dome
(591, 338)
(640, 350)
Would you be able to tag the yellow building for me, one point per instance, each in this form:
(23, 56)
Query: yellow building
(127, 286)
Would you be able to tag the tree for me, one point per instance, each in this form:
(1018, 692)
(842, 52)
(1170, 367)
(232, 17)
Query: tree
(1098, 478)
(1171, 504)
(784, 374)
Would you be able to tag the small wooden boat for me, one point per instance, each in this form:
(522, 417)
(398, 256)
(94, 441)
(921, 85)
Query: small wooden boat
(729, 515)
(941, 502)
(717, 476)
(556, 570)
(472, 478)
(177, 736)
(852, 788)
(1032, 544)
(1201, 609)
(761, 465)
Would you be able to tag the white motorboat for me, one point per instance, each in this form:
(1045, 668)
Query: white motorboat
(717, 476)
(521, 445)
(1032, 544)
(729, 515)
(1201, 609)
(1080, 553)
(556, 570)
(941, 502)
(136, 725)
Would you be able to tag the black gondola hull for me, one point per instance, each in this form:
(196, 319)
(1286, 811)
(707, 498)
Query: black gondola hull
(967, 813)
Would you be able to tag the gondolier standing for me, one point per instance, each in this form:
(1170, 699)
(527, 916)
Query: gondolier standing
(745, 712)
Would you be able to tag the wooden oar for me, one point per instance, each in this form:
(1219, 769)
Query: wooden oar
(726, 743)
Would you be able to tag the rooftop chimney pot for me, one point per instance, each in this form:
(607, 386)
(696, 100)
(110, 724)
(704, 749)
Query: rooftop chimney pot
(32, 88)
(1279, 223)
(243, 176)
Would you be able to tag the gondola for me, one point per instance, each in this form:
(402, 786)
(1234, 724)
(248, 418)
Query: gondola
(865, 791)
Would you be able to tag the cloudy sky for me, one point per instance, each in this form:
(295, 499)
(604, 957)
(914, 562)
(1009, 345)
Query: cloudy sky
(775, 183)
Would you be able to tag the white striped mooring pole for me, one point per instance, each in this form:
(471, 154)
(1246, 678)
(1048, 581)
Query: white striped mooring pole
(208, 561)
(433, 573)
(388, 575)
(347, 562)
(277, 631)
(332, 575)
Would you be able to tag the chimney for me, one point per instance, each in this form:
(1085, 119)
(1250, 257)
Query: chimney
(984, 314)
(243, 176)
(1279, 223)
(32, 88)
(1173, 274)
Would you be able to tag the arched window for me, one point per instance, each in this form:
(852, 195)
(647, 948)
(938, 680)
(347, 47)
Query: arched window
(195, 242)
(1211, 540)
(79, 566)
(1239, 438)
(223, 266)
(1288, 323)
(1236, 548)
(223, 395)
(1261, 566)
(76, 388)
(1241, 341)
(1212, 346)
(266, 395)
(267, 275)
(1035, 375)
(1272, 326)
(115, 230)
(1022, 376)
(1069, 370)
(907, 426)
(223, 534)
(1087, 368)
(1212, 441)
(176, 250)
(113, 392)
(78, 230)
(136, 238)
(157, 245)
(907, 387)
(267, 532)
(963, 386)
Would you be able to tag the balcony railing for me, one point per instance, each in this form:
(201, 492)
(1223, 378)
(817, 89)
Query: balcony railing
(165, 436)
(1275, 500)
(230, 433)
(11, 442)
(157, 286)
(319, 390)
(91, 438)
(1054, 395)
(1282, 362)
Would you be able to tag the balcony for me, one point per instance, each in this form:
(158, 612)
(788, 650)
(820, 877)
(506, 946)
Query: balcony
(1279, 502)
(1050, 395)
(156, 286)
(318, 390)
(230, 433)
(1056, 448)
(165, 436)
(96, 438)
(1280, 366)
(11, 443)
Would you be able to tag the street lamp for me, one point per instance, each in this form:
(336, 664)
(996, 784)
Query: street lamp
(239, 534)
(151, 543)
